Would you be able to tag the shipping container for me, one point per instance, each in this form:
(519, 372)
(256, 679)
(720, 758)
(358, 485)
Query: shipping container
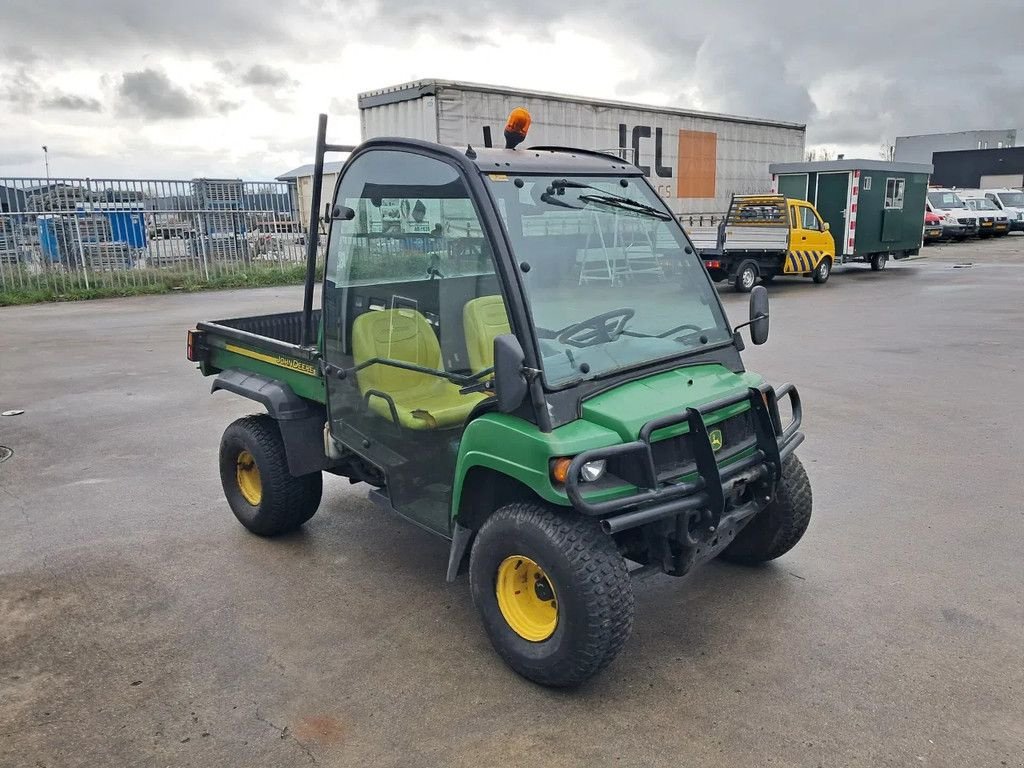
(696, 160)
(874, 208)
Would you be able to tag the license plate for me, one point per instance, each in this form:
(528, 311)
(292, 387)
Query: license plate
(986, 223)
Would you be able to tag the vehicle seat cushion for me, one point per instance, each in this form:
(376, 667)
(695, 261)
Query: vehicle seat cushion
(483, 319)
(422, 401)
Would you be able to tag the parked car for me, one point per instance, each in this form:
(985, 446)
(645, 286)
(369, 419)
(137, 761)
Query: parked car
(958, 221)
(1011, 201)
(992, 221)
(932, 227)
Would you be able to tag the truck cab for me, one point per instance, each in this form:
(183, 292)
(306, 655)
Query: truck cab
(520, 352)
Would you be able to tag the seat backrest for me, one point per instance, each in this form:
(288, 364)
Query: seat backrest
(395, 334)
(483, 319)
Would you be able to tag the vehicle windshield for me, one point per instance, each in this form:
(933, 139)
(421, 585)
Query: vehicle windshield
(983, 204)
(945, 200)
(1012, 199)
(610, 278)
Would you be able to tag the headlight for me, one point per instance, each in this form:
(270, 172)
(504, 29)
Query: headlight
(593, 470)
(589, 472)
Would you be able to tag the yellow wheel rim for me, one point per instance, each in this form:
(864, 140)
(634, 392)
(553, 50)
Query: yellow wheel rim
(248, 477)
(526, 598)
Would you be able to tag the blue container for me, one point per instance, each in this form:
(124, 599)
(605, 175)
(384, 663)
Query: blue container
(50, 237)
(127, 226)
(127, 223)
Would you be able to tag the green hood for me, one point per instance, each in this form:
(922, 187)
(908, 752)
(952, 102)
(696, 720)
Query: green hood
(628, 407)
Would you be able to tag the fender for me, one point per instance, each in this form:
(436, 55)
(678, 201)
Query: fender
(301, 421)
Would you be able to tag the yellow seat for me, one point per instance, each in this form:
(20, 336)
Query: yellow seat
(422, 401)
(482, 320)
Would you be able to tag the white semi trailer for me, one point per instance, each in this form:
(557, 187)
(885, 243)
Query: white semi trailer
(696, 160)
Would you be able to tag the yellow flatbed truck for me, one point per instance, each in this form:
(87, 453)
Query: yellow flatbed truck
(764, 236)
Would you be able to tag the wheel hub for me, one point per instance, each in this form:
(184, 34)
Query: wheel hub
(248, 477)
(526, 598)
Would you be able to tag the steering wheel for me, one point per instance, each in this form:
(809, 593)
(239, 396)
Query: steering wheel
(598, 329)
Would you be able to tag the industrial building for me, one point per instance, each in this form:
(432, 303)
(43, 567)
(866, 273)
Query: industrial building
(919, 149)
(980, 168)
(300, 184)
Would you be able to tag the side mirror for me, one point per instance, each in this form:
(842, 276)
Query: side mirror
(759, 314)
(341, 212)
(827, 226)
(509, 380)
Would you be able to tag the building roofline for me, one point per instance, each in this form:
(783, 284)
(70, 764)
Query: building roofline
(430, 87)
(958, 133)
(853, 164)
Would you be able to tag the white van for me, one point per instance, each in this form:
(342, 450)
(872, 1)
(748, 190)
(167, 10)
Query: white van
(1012, 202)
(993, 221)
(958, 221)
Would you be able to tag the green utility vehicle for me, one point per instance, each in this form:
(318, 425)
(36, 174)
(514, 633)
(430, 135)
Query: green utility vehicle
(519, 351)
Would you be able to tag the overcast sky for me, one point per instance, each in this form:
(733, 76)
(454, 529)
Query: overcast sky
(183, 88)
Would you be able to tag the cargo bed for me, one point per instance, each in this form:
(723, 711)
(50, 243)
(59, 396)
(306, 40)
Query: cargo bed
(265, 345)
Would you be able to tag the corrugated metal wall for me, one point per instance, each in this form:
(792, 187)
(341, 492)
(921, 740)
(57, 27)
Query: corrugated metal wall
(415, 119)
(695, 162)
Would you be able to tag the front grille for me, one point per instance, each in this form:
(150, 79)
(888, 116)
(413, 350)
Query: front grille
(674, 456)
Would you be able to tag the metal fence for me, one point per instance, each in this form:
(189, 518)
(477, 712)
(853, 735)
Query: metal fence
(66, 234)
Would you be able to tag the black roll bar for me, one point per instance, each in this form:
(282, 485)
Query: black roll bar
(313, 238)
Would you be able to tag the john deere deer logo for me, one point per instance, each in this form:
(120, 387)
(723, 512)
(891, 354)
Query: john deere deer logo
(716, 439)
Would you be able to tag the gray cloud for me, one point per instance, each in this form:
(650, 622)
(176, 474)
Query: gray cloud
(192, 26)
(19, 89)
(71, 103)
(151, 94)
(20, 54)
(857, 73)
(265, 75)
(23, 93)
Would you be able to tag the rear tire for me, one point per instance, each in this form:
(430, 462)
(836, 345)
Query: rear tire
(746, 277)
(578, 609)
(265, 497)
(822, 271)
(777, 528)
(878, 262)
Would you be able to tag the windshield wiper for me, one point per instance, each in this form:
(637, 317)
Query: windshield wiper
(607, 198)
(626, 204)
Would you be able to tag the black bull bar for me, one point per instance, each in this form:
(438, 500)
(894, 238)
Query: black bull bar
(709, 493)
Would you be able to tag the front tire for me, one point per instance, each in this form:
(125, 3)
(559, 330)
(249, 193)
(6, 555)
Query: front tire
(265, 497)
(822, 271)
(553, 593)
(777, 528)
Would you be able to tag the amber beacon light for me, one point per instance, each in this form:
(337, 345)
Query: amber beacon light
(517, 127)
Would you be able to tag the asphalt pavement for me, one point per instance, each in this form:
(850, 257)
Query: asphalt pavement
(140, 625)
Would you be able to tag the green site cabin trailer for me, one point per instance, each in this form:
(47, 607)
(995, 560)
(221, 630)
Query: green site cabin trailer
(875, 209)
(519, 351)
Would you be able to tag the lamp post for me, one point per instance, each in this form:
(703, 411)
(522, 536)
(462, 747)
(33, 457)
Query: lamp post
(46, 163)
